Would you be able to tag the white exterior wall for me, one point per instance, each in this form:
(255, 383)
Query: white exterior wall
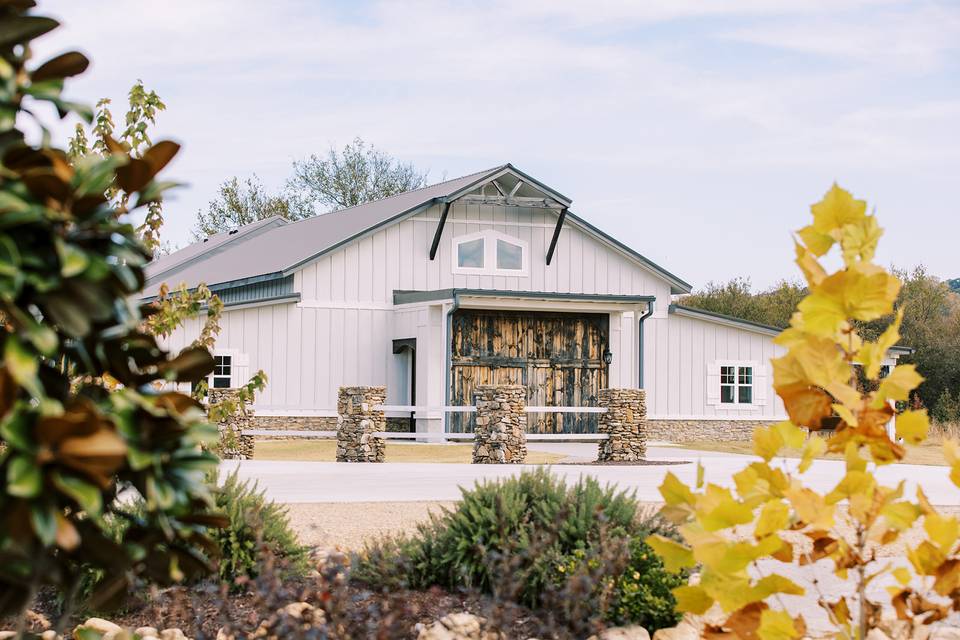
(341, 331)
(681, 352)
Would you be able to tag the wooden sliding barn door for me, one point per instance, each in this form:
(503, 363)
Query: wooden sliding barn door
(557, 356)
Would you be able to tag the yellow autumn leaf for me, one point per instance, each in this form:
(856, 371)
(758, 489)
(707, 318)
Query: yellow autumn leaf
(900, 515)
(674, 492)
(806, 259)
(778, 625)
(816, 244)
(813, 448)
(854, 483)
(767, 442)
(718, 509)
(858, 240)
(898, 384)
(675, 556)
(810, 506)
(902, 575)
(692, 599)
(774, 517)
(845, 414)
(775, 583)
(793, 436)
(942, 530)
(872, 354)
(926, 558)
(837, 209)
(912, 426)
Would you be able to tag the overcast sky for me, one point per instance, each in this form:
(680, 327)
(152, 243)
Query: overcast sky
(696, 132)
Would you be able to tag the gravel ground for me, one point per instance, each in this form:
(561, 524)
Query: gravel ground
(346, 526)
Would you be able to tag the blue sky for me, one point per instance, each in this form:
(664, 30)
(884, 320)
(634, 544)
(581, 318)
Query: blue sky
(696, 132)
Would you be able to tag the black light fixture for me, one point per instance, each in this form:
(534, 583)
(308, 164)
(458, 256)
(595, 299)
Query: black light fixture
(607, 356)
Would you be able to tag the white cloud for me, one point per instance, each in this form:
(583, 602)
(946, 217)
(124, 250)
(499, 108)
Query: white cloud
(616, 101)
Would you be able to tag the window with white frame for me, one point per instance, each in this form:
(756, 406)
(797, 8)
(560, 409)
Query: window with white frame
(735, 383)
(490, 252)
(222, 372)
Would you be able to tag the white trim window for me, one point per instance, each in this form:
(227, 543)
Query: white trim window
(490, 253)
(736, 384)
(231, 368)
(222, 376)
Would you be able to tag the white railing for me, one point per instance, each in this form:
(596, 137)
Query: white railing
(445, 436)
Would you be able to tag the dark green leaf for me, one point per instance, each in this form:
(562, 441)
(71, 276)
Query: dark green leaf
(24, 28)
(63, 66)
(83, 493)
(43, 517)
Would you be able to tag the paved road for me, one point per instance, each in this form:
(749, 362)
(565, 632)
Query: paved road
(304, 482)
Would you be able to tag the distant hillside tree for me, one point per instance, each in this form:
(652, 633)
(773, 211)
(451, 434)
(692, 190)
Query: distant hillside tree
(239, 203)
(359, 173)
(736, 298)
(954, 284)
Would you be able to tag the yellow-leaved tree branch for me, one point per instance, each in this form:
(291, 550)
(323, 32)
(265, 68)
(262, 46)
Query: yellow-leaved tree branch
(769, 521)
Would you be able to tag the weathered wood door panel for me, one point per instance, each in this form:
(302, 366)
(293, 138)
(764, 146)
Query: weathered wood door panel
(557, 356)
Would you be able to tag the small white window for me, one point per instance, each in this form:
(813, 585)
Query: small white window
(222, 372)
(490, 253)
(736, 383)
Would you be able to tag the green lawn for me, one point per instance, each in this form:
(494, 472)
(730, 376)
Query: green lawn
(326, 450)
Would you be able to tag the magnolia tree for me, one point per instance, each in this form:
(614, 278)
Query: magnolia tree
(70, 265)
(820, 380)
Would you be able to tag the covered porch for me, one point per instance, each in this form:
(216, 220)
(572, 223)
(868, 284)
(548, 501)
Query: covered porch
(563, 347)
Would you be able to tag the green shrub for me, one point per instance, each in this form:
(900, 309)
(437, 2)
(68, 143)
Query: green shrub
(535, 540)
(258, 529)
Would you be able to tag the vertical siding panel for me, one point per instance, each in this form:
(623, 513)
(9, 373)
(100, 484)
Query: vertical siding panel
(338, 375)
(264, 340)
(685, 365)
(391, 262)
(406, 233)
(365, 269)
(294, 354)
(675, 358)
(350, 352)
(588, 266)
(308, 359)
(278, 342)
(324, 367)
(337, 278)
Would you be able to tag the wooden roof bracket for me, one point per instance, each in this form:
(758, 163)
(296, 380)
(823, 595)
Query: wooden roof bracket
(556, 234)
(439, 232)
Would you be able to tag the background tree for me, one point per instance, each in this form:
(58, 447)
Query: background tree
(735, 298)
(239, 203)
(71, 266)
(357, 174)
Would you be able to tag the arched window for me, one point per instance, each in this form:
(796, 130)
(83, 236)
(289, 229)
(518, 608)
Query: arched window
(490, 253)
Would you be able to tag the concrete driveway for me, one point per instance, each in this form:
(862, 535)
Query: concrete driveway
(312, 482)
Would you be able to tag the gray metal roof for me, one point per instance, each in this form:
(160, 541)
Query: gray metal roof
(274, 248)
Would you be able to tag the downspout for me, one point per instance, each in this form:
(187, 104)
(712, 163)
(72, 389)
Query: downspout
(448, 358)
(646, 315)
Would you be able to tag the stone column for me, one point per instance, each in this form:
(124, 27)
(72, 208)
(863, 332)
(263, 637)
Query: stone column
(501, 433)
(625, 422)
(232, 444)
(356, 423)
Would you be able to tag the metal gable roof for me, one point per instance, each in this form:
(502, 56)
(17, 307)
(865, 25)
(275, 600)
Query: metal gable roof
(274, 247)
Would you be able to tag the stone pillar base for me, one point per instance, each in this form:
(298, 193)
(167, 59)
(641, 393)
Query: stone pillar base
(501, 433)
(624, 421)
(358, 421)
(232, 444)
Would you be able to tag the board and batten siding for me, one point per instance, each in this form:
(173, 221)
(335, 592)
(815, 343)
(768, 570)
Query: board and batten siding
(341, 331)
(680, 352)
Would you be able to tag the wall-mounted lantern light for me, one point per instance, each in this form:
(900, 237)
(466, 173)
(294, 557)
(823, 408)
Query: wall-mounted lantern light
(607, 356)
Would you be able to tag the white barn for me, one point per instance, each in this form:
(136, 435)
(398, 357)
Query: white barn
(485, 278)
